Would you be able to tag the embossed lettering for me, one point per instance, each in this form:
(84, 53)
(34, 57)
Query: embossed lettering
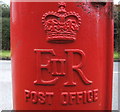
(95, 96)
(34, 97)
(49, 95)
(77, 68)
(57, 68)
(84, 97)
(27, 95)
(41, 66)
(90, 96)
(39, 97)
(65, 99)
(55, 62)
(72, 98)
(79, 97)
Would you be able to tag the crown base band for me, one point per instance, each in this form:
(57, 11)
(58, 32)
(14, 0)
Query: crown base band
(61, 39)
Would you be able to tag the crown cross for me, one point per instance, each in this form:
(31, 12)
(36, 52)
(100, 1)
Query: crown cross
(62, 6)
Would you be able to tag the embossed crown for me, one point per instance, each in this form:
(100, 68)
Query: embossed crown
(61, 26)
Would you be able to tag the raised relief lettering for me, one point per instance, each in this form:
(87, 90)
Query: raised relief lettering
(37, 97)
(60, 67)
(77, 68)
(27, 95)
(82, 97)
(41, 97)
(66, 98)
(41, 66)
(55, 63)
(61, 27)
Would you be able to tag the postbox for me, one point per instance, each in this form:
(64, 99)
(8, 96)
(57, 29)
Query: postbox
(62, 55)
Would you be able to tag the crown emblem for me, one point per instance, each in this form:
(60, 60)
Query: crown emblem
(61, 26)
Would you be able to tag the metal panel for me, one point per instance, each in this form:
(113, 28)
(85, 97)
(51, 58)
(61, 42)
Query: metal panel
(62, 55)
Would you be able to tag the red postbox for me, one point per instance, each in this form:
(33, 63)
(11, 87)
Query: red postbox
(62, 55)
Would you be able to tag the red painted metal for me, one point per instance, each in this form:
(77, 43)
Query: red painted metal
(62, 55)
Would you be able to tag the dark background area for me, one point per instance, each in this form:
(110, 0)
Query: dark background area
(5, 26)
(116, 28)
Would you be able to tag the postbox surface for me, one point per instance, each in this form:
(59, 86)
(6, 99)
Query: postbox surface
(62, 54)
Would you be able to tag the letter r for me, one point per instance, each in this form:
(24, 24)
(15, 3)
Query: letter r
(71, 67)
